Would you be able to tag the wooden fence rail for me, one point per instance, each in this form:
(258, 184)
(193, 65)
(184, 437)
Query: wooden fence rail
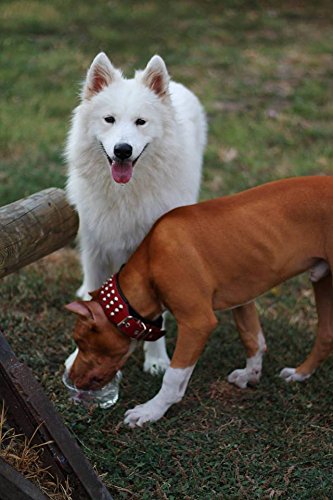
(14, 486)
(34, 227)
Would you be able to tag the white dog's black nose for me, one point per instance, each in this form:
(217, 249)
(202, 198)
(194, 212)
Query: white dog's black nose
(123, 150)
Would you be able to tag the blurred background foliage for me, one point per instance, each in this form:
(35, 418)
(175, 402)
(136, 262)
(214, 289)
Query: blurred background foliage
(263, 71)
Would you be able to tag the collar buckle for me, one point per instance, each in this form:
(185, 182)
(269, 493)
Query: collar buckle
(139, 328)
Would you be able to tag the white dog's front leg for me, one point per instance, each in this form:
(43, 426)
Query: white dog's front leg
(95, 270)
(70, 360)
(173, 388)
(98, 263)
(156, 357)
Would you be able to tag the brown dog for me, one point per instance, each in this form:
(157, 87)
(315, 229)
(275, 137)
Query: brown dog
(216, 255)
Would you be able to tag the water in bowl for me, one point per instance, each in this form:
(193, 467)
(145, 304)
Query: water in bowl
(105, 397)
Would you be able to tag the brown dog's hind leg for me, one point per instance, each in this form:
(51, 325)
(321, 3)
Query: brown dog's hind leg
(323, 345)
(249, 328)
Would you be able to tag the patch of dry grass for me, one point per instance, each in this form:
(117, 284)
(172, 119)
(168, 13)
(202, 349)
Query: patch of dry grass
(24, 456)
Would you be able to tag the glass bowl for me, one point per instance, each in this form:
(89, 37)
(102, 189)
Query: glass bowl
(105, 397)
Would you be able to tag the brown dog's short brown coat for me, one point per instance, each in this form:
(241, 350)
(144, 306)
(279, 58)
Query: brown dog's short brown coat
(217, 255)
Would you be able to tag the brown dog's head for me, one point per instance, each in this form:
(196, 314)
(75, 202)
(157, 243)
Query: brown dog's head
(102, 349)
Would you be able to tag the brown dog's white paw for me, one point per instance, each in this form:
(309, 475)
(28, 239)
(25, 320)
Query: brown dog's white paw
(290, 375)
(143, 414)
(243, 376)
(173, 389)
(319, 271)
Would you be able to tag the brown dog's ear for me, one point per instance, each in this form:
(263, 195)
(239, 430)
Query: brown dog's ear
(80, 308)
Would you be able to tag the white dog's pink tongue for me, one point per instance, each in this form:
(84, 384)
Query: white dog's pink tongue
(122, 171)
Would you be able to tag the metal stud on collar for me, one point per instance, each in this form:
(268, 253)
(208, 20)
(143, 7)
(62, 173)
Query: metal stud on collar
(116, 307)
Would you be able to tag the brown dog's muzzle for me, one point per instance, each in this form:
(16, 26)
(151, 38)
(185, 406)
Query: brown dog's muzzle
(92, 374)
(103, 350)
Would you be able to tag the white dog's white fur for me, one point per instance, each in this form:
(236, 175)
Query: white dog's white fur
(165, 126)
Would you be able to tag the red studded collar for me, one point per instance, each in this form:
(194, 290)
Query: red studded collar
(120, 313)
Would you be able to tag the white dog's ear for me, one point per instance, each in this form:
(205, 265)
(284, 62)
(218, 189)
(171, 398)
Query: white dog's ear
(100, 74)
(156, 76)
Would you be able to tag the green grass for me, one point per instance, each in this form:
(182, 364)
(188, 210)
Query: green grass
(263, 71)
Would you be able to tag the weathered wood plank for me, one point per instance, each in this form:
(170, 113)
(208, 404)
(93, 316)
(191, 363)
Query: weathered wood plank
(14, 486)
(30, 409)
(34, 227)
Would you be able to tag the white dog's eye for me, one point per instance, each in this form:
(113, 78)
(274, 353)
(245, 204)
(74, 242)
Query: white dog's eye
(110, 119)
(140, 121)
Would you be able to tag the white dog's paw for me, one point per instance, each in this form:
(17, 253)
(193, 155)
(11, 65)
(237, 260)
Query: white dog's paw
(83, 293)
(156, 357)
(242, 377)
(142, 414)
(156, 365)
(290, 375)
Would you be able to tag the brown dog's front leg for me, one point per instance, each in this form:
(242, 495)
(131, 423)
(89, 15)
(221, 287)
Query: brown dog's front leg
(249, 328)
(173, 388)
(190, 343)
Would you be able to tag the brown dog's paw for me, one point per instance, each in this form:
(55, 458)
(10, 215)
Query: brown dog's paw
(291, 375)
(143, 414)
(243, 376)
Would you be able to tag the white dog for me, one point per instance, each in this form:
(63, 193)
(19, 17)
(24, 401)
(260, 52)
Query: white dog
(134, 152)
